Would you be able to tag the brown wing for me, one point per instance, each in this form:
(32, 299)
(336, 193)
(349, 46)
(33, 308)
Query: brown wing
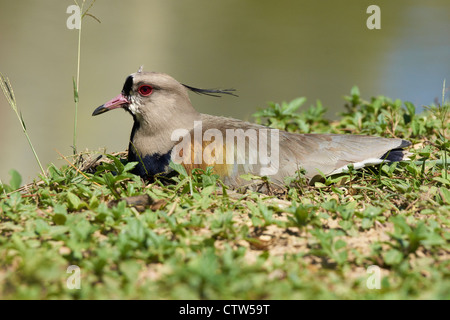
(236, 148)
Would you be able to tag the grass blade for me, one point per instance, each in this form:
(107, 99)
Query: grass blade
(6, 86)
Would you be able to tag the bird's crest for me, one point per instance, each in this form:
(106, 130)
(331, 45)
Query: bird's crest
(212, 92)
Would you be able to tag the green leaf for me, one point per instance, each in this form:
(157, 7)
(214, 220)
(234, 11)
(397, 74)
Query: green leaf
(366, 223)
(23, 122)
(339, 244)
(59, 219)
(355, 91)
(118, 165)
(60, 214)
(346, 225)
(16, 179)
(41, 227)
(445, 194)
(372, 212)
(130, 166)
(400, 225)
(293, 105)
(411, 109)
(74, 202)
(178, 168)
(94, 202)
(248, 176)
(75, 91)
(442, 180)
(15, 199)
(393, 257)
(58, 230)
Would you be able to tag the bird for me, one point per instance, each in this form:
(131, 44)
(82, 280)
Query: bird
(167, 128)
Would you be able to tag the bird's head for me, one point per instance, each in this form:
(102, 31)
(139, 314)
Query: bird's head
(152, 96)
(148, 95)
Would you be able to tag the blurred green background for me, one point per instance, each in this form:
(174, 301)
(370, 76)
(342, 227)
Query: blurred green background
(267, 50)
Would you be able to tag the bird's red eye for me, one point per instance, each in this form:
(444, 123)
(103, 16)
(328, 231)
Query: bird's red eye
(145, 90)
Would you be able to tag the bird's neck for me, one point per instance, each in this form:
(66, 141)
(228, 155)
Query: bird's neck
(153, 135)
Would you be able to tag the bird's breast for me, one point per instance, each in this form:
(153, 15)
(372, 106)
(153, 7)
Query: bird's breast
(149, 165)
(191, 154)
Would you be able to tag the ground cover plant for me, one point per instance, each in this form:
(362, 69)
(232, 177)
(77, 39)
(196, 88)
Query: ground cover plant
(377, 233)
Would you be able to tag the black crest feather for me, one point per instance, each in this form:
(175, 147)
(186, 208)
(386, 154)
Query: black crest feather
(212, 92)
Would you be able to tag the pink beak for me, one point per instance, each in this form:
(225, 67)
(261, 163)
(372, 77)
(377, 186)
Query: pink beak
(118, 102)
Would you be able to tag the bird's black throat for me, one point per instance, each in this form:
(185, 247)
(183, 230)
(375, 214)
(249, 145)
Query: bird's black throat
(148, 165)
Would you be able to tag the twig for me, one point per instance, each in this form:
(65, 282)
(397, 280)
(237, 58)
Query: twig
(78, 170)
(172, 209)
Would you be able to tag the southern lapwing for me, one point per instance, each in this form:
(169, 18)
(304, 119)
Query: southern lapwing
(167, 127)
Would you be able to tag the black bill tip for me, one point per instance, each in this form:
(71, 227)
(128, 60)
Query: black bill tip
(100, 110)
